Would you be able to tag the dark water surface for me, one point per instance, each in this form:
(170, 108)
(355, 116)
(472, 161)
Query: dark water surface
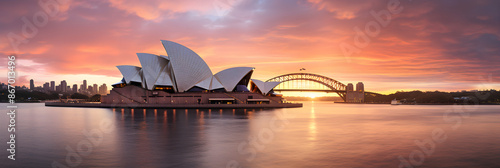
(321, 134)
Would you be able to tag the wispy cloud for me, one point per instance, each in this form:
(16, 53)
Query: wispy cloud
(452, 43)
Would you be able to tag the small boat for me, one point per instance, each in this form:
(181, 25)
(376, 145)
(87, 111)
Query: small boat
(396, 102)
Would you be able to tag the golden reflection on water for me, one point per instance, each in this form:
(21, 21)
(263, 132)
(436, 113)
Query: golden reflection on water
(173, 117)
(312, 124)
(165, 118)
(156, 113)
(318, 135)
(201, 120)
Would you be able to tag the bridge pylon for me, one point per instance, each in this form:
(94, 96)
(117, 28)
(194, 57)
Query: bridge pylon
(346, 92)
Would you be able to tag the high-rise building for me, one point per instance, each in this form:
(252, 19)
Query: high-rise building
(46, 86)
(64, 86)
(96, 89)
(75, 88)
(103, 89)
(32, 84)
(52, 86)
(81, 89)
(90, 89)
(58, 88)
(84, 85)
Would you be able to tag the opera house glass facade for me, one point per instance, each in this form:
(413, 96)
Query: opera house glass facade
(183, 77)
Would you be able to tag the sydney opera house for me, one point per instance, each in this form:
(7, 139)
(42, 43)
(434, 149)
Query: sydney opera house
(183, 77)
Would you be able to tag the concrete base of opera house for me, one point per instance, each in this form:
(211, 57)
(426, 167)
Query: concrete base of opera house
(137, 97)
(176, 106)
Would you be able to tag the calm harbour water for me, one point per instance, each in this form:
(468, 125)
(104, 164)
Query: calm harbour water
(321, 134)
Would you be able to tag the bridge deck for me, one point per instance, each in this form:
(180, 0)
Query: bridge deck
(307, 90)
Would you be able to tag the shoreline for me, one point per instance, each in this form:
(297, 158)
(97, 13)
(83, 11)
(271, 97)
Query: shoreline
(317, 101)
(176, 106)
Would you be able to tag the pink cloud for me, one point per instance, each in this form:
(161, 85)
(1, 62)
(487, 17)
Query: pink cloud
(423, 43)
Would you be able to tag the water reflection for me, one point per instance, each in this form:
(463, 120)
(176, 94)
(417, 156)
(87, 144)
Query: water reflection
(180, 140)
(312, 124)
(321, 134)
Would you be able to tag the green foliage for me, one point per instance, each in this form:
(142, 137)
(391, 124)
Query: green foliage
(26, 95)
(436, 97)
(79, 96)
(95, 98)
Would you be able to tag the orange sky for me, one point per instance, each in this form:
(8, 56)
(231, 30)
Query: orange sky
(425, 45)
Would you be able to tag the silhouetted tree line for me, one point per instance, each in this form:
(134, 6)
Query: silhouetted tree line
(436, 97)
(29, 96)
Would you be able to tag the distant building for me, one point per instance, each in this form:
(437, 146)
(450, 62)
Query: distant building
(32, 84)
(64, 86)
(46, 86)
(75, 88)
(58, 88)
(95, 89)
(52, 86)
(84, 87)
(103, 89)
(89, 89)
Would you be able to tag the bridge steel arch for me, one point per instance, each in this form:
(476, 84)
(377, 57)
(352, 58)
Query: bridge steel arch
(332, 84)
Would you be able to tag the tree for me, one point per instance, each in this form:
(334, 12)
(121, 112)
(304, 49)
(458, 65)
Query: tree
(79, 96)
(95, 98)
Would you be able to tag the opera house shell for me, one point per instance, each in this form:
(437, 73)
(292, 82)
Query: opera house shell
(183, 73)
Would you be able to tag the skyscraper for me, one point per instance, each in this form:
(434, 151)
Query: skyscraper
(52, 86)
(103, 89)
(32, 84)
(84, 85)
(46, 86)
(75, 88)
(64, 86)
(96, 88)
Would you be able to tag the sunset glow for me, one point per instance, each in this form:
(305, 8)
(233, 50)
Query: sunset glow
(422, 47)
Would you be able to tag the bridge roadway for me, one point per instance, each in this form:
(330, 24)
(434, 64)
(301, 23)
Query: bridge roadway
(316, 90)
(308, 90)
(332, 84)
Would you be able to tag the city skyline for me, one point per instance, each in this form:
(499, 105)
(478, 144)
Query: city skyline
(420, 48)
(64, 87)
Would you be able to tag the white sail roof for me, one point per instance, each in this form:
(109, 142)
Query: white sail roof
(164, 78)
(210, 84)
(189, 68)
(164, 56)
(229, 78)
(154, 70)
(130, 73)
(265, 87)
(215, 84)
(205, 84)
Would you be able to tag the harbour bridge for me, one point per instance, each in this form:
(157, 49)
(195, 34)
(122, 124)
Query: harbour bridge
(308, 82)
